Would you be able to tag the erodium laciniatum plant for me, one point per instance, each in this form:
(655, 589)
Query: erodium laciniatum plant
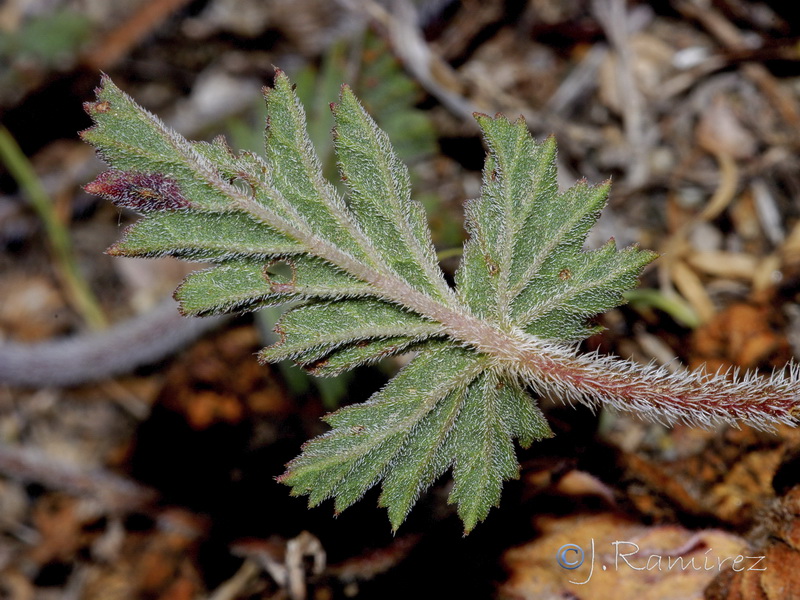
(363, 276)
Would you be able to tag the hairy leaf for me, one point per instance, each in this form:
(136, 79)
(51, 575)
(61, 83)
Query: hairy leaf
(380, 198)
(203, 236)
(314, 330)
(366, 284)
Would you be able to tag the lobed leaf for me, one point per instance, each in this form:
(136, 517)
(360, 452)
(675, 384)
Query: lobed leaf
(239, 286)
(518, 176)
(203, 236)
(568, 289)
(295, 171)
(314, 330)
(380, 198)
(366, 284)
(484, 453)
(355, 354)
(366, 438)
(524, 265)
(138, 144)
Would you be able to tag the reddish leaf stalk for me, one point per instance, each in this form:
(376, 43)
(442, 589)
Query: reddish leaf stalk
(692, 397)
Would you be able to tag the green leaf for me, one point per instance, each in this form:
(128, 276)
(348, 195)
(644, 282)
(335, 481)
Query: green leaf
(519, 178)
(203, 236)
(246, 284)
(524, 265)
(295, 171)
(365, 282)
(494, 411)
(332, 361)
(571, 287)
(139, 145)
(234, 287)
(484, 454)
(366, 438)
(380, 198)
(315, 330)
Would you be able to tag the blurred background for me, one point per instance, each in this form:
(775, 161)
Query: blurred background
(138, 450)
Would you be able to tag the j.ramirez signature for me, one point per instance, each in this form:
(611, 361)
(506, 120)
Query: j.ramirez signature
(572, 556)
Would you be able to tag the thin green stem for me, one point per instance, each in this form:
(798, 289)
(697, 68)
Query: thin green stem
(456, 252)
(75, 285)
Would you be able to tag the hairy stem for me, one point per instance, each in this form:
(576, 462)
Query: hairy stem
(693, 397)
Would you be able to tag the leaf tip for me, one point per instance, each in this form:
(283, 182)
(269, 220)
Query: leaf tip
(263, 356)
(183, 309)
(651, 255)
(469, 521)
(396, 517)
(85, 133)
(98, 107)
(347, 99)
(280, 82)
(115, 249)
(105, 82)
